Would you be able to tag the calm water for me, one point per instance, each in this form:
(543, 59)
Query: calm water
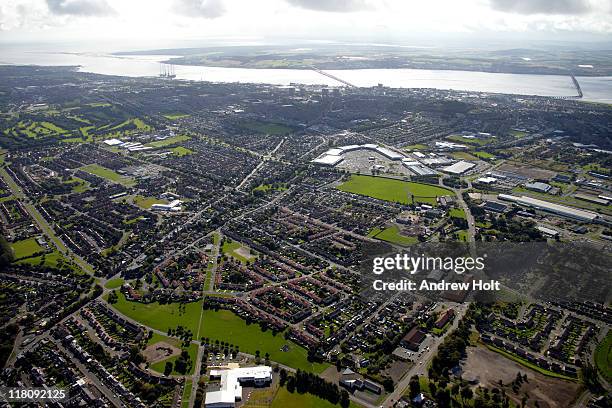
(594, 88)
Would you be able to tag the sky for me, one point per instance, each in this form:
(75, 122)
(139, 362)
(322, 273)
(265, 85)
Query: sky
(132, 24)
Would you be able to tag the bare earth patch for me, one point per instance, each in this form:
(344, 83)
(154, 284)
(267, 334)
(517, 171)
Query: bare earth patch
(160, 351)
(490, 367)
(244, 252)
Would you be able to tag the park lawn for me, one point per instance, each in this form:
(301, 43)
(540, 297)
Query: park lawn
(393, 190)
(392, 234)
(457, 213)
(268, 187)
(517, 133)
(147, 202)
(25, 248)
(193, 355)
(527, 364)
(169, 141)
(114, 283)
(285, 398)
(224, 325)
(173, 116)
(108, 174)
(161, 317)
(181, 151)
(603, 357)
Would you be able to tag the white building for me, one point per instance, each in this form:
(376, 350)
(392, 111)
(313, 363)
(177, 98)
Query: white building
(174, 205)
(231, 384)
(458, 168)
(558, 209)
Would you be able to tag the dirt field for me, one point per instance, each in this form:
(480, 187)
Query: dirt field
(528, 171)
(160, 351)
(245, 252)
(490, 367)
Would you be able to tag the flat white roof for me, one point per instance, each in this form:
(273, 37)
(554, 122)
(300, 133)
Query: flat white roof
(231, 390)
(334, 152)
(389, 153)
(551, 207)
(486, 180)
(459, 167)
(113, 142)
(328, 160)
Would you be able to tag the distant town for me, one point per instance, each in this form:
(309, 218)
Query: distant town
(172, 243)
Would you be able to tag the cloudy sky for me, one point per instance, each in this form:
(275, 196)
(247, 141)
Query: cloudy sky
(161, 22)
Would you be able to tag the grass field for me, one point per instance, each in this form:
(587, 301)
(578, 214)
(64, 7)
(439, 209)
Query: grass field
(181, 151)
(417, 146)
(147, 202)
(483, 155)
(186, 394)
(464, 156)
(603, 357)
(457, 213)
(51, 259)
(467, 140)
(169, 141)
(25, 248)
(193, 355)
(108, 174)
(392, 234)
(224, 325)
(285, 398)
(114, 283)
(161, 317)
(267, 128)
(173, 116)
(230, 249)
(393, 190)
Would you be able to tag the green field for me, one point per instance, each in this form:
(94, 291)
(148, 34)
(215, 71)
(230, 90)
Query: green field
(173, 116)
(229, 249)
(285, 398)
(25, 248)
(266, 128)
(224, 325)
(169, 141)
(147, 202)
(457, 213)
(467, 140)
(181, 151)
(51, 259)
(392, 235)
(483, 155)
(464, 156)
(393, 190)
(114, 283)
(161, 365)
(161, 317)
(108, 174)
(603, 357)
(417, 146)
(186, 394)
